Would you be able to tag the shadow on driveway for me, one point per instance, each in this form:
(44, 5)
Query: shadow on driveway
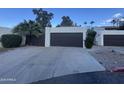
(87, 78)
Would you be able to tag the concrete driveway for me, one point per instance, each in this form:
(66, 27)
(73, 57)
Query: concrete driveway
(30, 64)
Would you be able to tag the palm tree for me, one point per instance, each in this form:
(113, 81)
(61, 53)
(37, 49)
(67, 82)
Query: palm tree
(21, 28)
(92, 22)
(28, 28)
(113, 22)
(118, 21)
(85, 23)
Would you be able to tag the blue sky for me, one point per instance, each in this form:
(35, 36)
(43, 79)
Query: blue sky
(9, 17)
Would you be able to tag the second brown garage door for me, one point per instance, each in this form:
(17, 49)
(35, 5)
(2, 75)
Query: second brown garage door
(67, 39)
(113, 40)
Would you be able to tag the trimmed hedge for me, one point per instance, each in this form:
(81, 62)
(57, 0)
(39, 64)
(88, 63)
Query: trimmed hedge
(90, 38)
(11, 40)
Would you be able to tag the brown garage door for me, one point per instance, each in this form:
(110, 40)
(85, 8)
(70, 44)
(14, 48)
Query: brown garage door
(113, 40)
(67, 39)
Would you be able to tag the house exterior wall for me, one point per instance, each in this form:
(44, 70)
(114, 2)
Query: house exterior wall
(98, 39)
(100, 35)
(63, 30)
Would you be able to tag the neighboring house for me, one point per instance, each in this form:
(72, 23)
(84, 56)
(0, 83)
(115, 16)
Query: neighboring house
(110, 37)
(4, 30)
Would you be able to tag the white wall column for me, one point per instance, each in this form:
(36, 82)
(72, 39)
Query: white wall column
(47, 37)
(84, 38)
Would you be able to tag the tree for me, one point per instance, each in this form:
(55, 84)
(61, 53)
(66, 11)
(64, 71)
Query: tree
(43, 17)
(58, 26)
(117, 21)
(76, 25)
(113, 22)
(66, 21)
(21, 28)
(28, 28)
(36, 27)
(85, 23)
(90, 38)
(92, 22)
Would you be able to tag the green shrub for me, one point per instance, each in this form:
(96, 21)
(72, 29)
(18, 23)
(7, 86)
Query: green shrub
(91, 33)
(89, 42)
(90, 38)
(11, 40)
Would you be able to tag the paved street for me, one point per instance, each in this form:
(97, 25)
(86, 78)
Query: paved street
(100, 77)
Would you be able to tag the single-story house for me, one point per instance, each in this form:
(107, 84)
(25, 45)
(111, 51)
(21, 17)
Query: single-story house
(75, 37)
(65, 36)
(110, 37)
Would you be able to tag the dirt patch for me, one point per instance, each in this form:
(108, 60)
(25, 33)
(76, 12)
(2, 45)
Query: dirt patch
(2, 50)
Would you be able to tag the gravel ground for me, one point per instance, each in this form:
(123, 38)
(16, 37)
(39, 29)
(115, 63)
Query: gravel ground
(109, 57)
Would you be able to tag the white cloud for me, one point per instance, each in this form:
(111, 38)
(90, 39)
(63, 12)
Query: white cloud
(122, 19)
(105, 22)
(117, 15)
(102, 23)
(108, 20)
